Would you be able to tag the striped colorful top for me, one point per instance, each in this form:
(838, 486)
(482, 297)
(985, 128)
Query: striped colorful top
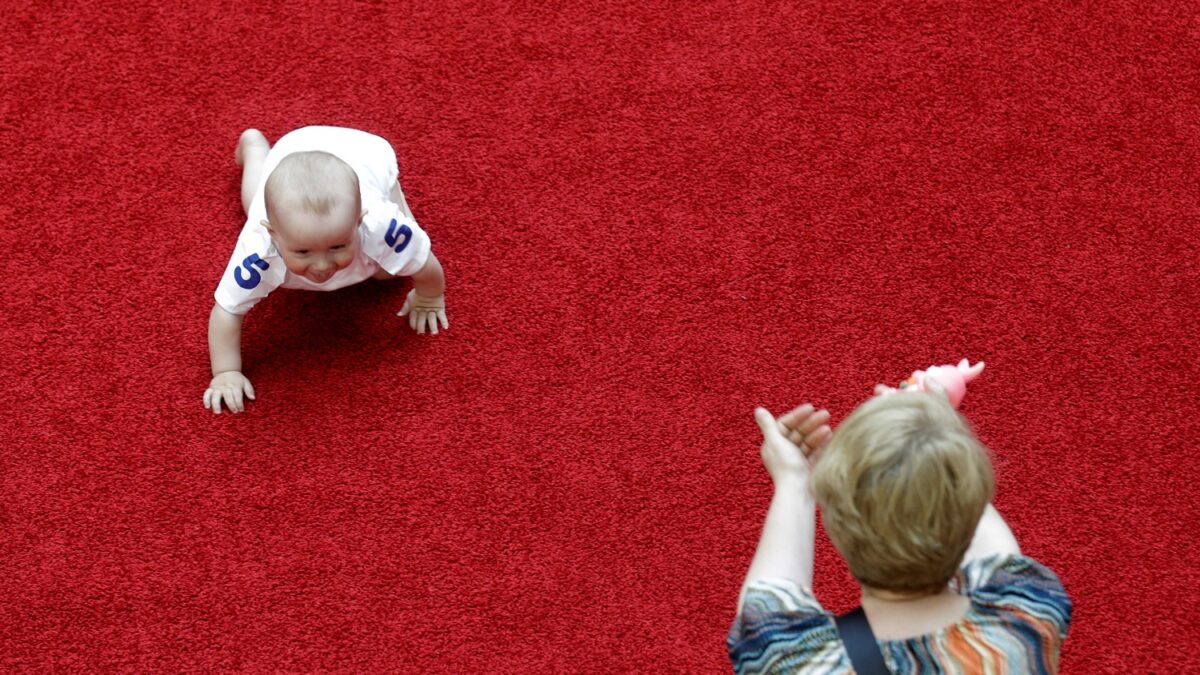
(1016, 623)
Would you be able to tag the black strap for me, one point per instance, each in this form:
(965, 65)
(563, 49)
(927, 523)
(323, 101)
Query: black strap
(860, 643)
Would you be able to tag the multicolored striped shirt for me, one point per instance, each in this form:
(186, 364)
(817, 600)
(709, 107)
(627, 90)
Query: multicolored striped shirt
(1016, 623)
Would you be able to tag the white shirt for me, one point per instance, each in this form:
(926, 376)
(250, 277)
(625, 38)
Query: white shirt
(390, 236)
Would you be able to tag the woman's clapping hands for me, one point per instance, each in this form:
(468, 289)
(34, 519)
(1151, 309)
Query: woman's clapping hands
(793, 441)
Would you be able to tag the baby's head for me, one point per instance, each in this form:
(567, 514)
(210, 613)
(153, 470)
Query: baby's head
(902, 486)
(313, 211)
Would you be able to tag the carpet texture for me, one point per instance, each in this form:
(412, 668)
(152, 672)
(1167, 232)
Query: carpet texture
(653, 217)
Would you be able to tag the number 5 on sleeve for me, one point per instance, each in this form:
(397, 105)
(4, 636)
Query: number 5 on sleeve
(393, 235)
(252, 276)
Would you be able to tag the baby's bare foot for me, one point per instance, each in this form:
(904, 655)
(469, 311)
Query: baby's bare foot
(251, 141)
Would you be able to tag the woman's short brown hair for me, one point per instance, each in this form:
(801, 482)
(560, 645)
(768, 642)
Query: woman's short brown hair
(902, 486)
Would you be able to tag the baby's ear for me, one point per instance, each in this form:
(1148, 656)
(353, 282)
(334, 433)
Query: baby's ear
(267, 224)
(362, 216)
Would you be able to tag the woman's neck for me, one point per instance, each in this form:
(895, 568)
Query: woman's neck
(896, 615)
(885, 595)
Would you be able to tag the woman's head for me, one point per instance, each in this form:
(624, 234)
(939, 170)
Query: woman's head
(901, 487)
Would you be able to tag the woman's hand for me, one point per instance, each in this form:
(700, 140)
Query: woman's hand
(792, 442)
(786, 546)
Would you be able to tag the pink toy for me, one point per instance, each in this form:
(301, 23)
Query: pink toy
(953, 379)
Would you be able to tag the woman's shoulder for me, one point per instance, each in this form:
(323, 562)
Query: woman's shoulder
(767, 596)
(1006, 572)
(781, 627)
(1017, 588)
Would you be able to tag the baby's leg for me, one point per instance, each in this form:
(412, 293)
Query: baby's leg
(251, 150)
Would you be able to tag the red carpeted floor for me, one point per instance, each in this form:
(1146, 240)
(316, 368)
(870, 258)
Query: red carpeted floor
(653, 218)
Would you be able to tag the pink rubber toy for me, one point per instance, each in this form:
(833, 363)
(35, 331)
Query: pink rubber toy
(953, 379)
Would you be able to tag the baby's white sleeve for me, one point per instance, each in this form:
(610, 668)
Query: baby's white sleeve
(379, 164)
(395, 241)
(253, 272)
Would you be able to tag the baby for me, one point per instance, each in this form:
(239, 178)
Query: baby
(324, 210)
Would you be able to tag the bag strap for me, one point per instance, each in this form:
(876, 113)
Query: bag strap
(860, 643)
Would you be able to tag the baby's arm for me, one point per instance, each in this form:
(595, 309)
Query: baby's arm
(225, 351)
(430, 280)
(426, 303)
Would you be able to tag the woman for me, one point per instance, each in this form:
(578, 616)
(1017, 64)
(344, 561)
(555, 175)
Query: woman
(905, 493)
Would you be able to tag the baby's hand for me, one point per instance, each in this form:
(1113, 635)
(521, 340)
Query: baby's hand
(423, 311)
(229, 385)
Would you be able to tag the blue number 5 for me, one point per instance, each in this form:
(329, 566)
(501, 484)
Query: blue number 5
(252, 276)
(393, 236)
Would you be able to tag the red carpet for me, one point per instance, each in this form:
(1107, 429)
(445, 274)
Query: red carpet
(653, 218)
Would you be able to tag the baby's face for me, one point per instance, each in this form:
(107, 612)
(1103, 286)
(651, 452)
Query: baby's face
(316, 246)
